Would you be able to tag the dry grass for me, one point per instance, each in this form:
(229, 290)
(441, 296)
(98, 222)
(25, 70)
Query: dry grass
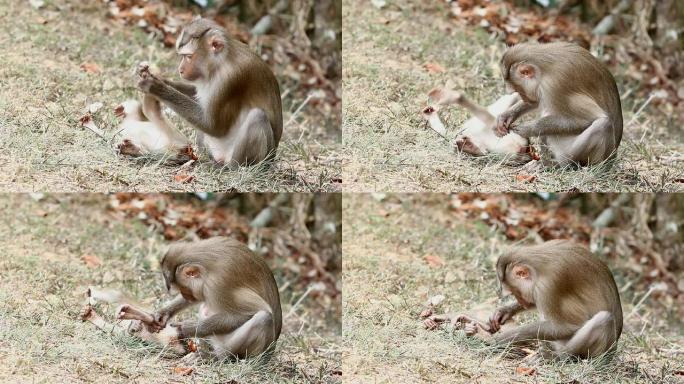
(387, 283)
(389, 148)
(41, 294)
(44, 93)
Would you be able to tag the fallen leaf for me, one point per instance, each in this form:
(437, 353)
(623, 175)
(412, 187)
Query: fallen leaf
(41, 213)
(436, 300)
(90, 67)
(37, 4)
(94, 107)
(525, 371)
(525, 178)
(433, 260)
(183, 371)
(183, 177)
(379, 3)
(433, 68)
(91, 261)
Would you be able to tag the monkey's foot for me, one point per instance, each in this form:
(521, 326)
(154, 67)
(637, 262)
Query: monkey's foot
(128, 148)
(119, 111)
(445, 96)
(465, 145)
(87, 313)
(435, 321)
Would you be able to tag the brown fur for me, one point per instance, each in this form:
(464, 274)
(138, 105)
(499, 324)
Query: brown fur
(572, 89)
(236, 280)
(249, 83)
(568, 286)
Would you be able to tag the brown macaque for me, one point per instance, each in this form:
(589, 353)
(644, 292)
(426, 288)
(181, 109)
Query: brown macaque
(476, 136)
(240, 314)
(580, 113)
(230, 95)
(574, 292)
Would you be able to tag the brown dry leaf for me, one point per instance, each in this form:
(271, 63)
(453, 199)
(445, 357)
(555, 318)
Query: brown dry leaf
(525, 178)
(183, 371)
(41, 213)
(433, 68)
(434, 260)
(91, 261)
(183, 177)
(526, 371)
(90, 67)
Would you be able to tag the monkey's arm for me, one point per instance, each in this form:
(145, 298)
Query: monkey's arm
(182, 87)
(504, 120)
(552, 125)
(218, 324)
(543, 330)
(182, 104)
(176, 305)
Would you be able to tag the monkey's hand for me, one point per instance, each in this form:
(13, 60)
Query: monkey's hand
(150, 84)
(499, 317)
(503, 124)
(143, 69)
(161, 318)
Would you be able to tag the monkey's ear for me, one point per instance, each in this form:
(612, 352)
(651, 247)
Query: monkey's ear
(191, 270)
(216, 43)
(521, 272)
(526, 71)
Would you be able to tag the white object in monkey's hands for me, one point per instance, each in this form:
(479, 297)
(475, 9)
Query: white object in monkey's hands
(477, 136)
(145, 130)
(131, 320)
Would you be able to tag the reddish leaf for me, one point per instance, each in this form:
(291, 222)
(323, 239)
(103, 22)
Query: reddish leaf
(91, 261)
(433, 260)
(433, 68)
(90, 68)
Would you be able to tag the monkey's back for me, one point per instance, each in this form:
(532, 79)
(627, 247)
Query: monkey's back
(247, 283)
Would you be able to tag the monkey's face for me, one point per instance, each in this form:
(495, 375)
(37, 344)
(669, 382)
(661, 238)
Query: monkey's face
(189, 281)
(519, 282)
(524, 79)
(201, 49)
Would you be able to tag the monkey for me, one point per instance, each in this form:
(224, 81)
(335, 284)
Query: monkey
(145, 130)
(229, 95)
(240, 314)
(577, 97)
(477, 136)
(132, 320)
(574, 292)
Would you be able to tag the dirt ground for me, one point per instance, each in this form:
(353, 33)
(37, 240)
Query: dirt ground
(388, 147)
(44, 92)
(388, 278)
(49, 248)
